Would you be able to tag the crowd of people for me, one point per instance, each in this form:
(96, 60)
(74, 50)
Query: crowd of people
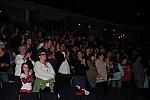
(54, 61)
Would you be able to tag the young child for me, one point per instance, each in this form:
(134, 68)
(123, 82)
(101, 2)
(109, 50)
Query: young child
(26, 78)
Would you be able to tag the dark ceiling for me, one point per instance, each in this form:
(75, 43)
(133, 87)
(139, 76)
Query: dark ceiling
(129, 12)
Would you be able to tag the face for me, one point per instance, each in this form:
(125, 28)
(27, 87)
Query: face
(53, 47)
(42, 56)
(49, 44)
(29, 41)
(62, 47)
(88, 51)
(124, 61)
(92, 58)
(22, 50)
(110, 63)
(91, 50)
(109, 54)
(25, 68)
(74, 49)
(79, 55)
(2, 53)
(101, 57)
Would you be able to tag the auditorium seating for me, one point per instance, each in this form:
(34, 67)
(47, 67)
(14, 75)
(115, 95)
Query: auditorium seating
(8, 92)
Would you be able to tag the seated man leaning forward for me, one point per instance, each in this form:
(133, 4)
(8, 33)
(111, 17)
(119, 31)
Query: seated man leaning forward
(44, 72)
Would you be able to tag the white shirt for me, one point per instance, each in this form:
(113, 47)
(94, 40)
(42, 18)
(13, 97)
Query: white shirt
(44, 72)
(19, 61)
(40, 45)
(26, 86)
(64, 68)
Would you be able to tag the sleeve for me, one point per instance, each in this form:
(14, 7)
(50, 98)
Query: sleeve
(19, 60)
(52, 72)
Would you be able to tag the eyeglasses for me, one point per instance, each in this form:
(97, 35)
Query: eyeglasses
(43, 54)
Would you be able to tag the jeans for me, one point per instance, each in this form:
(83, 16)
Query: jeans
(92, 82)
(80, 80)
(116, 83)
(139, 84)
(3, 77)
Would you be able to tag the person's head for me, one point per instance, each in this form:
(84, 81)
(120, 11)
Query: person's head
(25, 68)
(47, 43)
(62, 46)
(74, 48)
(109, 54)
(123, 60)
(101, 56)
(29, 41)
(79, 55)
(111, 61)
(42, 55)
(57, 46)
(40, 34)
(91, 50)
(52, 48)
(22, 49)
(91, 57)
(88, 51)
(102, 50)
(2, 49)
(114, 61)
(17, 30)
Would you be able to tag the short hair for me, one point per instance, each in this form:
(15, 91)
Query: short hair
(21, 47)
(47, 39)
(62, 43)
(40, 51)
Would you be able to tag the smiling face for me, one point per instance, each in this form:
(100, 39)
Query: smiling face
(25, 68)
(42, 56)
(62, 47)
(29, 42)
(48, 44)
(22, 50)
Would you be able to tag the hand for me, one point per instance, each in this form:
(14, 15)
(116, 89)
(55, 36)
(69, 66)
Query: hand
(3, 65)
(83, 61)
(67, 55)
(30, 72)
(28, 55)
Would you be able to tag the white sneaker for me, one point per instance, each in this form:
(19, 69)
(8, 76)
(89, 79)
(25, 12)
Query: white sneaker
(86, 92)
(58, 96)
(78, 87)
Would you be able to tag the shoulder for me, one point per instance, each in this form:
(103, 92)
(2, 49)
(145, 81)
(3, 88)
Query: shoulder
(37, 63)
(22, 75)
(48, 64)
(18, 56)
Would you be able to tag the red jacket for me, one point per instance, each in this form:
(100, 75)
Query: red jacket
(127, 73)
